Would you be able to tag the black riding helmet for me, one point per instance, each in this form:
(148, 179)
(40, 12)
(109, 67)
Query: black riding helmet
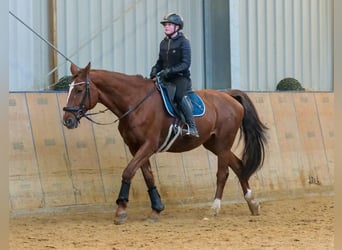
(173, 18)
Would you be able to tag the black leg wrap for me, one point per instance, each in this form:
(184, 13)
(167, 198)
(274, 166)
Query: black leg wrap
(124, 192)
(156, 202)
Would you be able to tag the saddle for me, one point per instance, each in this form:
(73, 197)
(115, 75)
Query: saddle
(167, 90)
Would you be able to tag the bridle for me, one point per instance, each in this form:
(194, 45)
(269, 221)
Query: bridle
(80, 112)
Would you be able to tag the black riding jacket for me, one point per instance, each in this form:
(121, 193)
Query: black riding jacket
(175, 55)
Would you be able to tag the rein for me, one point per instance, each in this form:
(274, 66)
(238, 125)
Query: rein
(80, 112)
(123, 115)
(138, 104)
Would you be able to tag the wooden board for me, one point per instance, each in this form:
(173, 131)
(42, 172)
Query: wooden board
(315, 168)
(24, 180)
(52, 166)
(271, 176)
(170, 175)
(325, 107)
(198, 174)
(50, 149)
(287, 135)
(111, 150)
(83, 161)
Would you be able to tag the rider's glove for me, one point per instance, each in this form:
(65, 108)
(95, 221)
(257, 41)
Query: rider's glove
(165, 73)
(153, 73)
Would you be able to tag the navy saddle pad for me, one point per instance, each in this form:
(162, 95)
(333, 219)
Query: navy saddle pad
(198, 107)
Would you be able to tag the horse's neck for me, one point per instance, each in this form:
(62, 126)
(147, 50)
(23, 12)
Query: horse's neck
(119, 92)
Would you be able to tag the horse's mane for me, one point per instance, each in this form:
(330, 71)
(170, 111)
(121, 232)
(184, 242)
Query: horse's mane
(139, 76)
(136, 77)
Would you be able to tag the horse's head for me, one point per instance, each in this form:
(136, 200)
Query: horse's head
(81, 96)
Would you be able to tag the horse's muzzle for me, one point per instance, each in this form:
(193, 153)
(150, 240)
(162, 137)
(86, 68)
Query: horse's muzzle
(70, 123)
(70, 119)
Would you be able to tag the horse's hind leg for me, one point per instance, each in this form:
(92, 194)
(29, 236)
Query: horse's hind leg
(221, 179)
(236, 165)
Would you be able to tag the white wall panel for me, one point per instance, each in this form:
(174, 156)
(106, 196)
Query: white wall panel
(270, 40)
(282, 38)
(29, 56)
(124, 35)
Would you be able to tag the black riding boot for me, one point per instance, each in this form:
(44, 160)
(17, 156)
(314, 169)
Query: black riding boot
(187, 111)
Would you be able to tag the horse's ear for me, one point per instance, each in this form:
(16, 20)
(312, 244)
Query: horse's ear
(87, 68)
(73, 69)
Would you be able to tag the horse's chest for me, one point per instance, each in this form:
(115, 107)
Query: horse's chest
(131, 133)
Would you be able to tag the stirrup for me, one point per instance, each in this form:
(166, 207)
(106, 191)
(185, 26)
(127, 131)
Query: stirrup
(191, 132)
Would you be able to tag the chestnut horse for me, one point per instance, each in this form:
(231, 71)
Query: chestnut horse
(144, 125)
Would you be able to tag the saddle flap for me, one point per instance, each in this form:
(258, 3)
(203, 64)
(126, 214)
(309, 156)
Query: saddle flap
(196, 101)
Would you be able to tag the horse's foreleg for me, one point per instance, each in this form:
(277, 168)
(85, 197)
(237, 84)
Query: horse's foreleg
(156, 203)
(122, 201)
(140, 158)
(253, 204)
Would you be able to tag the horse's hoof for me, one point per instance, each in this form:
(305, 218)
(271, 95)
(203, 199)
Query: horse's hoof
(120, 219)
(254, 207)
(153, 218)
(214, 211)
(215, 208)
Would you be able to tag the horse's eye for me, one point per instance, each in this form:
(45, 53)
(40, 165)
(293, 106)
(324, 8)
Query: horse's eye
(79, 91)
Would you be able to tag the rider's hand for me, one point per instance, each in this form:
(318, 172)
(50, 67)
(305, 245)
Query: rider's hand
(153, 73)
(165, 73)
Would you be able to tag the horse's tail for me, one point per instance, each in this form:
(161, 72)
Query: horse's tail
(254, 134)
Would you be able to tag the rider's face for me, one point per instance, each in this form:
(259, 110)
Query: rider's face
(169, 28)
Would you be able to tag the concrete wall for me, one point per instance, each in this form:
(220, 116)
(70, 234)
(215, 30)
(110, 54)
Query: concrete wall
(53, 169)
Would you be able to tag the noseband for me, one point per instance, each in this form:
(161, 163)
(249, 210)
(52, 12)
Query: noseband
(80, 111)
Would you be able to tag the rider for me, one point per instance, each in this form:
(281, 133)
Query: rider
(173, 66)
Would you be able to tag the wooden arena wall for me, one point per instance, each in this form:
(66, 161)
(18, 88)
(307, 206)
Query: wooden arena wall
(54, 169)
